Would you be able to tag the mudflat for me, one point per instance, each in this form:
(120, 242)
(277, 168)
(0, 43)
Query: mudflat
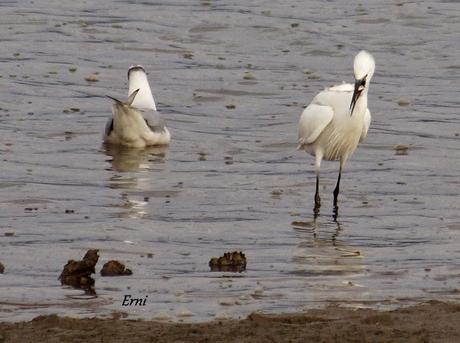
(428, 322)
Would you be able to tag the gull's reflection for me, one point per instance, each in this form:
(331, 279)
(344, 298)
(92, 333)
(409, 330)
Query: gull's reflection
(129, 159)
(132, 208)
(135, 187)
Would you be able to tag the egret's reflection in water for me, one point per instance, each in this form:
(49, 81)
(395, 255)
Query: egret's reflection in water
(322, 251)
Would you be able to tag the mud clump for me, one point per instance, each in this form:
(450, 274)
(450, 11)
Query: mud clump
(230, 262)
(401, 149)
(92, 78)
(115, 268)
(78, 273)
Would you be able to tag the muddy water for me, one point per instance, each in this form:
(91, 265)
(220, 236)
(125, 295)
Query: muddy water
(231, 78)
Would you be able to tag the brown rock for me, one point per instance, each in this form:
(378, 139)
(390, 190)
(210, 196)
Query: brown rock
(2, 268)
(78, 273)
(230, 262)
(115, 268)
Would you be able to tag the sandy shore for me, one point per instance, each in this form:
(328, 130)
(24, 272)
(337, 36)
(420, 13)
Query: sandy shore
(429, 322)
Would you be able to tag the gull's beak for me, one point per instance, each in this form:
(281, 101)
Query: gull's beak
(359, 87)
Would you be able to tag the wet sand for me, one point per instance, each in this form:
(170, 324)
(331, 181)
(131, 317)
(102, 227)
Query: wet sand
(429, 322)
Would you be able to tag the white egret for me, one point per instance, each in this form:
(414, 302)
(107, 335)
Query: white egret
(337, 120)
(136, 122)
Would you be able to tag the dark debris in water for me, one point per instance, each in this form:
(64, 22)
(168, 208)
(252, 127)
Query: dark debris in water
(401, 149)
(403, 102)
(230, 262)
(115, 268)
(78, 273)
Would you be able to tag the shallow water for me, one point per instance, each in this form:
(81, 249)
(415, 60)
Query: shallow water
(232, 178)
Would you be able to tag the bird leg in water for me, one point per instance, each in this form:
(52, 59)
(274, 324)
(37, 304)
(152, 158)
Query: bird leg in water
(336, 190)
(335, 213)
(317, 198)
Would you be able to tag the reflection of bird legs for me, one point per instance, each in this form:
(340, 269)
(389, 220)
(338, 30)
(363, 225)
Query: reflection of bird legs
(345, 252)
(315, 212)
(315, 225)
(337, 231)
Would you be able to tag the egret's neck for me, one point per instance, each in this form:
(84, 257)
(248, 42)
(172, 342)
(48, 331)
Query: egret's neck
(364, 98)
(360, 107)
(144, 98)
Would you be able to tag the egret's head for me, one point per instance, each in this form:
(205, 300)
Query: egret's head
(364, 67)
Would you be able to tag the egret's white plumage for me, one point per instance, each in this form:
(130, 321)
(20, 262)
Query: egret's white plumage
(136, 122)
(337, 120)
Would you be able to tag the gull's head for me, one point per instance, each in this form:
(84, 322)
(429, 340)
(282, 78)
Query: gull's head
(137, 79)
(136, 70)
(364, 67)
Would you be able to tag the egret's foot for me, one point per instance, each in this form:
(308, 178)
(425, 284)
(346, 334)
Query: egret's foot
(315, 212)
(317, 201)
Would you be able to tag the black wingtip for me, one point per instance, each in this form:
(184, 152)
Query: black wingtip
(116, 100)
(132, 96)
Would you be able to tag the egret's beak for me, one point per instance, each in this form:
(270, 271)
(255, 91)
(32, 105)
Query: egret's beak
(359, 87)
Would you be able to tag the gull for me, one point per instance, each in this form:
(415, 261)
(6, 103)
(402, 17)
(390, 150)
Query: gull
(337, 120)
(136, 122)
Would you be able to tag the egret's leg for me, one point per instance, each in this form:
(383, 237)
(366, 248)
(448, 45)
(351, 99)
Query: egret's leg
(319, 157)
(337, 187)
(317, 198)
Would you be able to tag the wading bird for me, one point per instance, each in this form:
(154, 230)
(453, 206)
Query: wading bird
(136, 122)
(337, 120)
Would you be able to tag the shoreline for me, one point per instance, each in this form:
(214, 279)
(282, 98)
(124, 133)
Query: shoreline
(431, 321)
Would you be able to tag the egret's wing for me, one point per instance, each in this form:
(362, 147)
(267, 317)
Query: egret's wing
(109, 126)
(337, 97)
(153, 120)
(344, 87)
(366, 124)
(313, 121)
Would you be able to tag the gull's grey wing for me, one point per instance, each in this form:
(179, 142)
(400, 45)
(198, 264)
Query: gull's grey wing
(109, 126)
(153, 120)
